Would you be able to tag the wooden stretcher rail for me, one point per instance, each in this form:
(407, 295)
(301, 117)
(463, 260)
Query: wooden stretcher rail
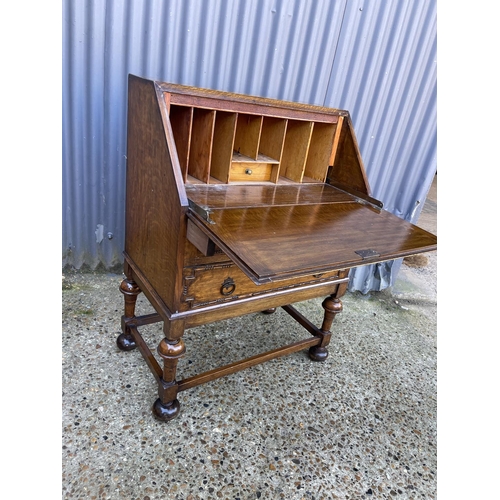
(222, 371)
(146, 353)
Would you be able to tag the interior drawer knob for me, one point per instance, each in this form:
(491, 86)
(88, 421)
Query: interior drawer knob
(228, 286)
(248, 171)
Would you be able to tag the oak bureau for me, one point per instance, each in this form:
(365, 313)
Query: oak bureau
(236, 205)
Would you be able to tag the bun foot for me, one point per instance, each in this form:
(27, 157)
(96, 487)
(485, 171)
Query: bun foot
(166, 412)
(125, 342)
(318, 353)
(270, 310)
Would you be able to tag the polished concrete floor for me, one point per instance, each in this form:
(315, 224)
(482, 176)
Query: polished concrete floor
(360, 425)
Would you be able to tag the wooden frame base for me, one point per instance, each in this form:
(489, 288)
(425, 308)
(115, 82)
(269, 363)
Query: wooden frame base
(172, 347)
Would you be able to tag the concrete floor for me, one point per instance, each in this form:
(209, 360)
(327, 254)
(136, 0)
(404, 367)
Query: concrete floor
(360, 425)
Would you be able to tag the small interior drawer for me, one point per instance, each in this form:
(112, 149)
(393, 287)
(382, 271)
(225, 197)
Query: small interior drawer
(251, 171)
(261, 168)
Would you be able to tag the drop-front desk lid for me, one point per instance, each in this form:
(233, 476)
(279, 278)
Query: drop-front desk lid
(285, 231)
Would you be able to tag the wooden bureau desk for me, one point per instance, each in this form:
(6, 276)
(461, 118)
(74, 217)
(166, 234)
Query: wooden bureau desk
(236, 205)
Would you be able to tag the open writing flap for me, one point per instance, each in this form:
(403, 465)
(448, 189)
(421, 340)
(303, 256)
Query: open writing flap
(271, 243)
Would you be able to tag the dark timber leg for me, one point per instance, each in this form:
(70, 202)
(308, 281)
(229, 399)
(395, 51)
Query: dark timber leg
(332, 306)
(171, 349)
(130, 290)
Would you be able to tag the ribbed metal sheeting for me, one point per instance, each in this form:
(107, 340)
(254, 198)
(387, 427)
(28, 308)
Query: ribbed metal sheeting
(375, 58)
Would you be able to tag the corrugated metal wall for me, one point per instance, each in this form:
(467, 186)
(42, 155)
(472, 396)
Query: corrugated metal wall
(375, 58)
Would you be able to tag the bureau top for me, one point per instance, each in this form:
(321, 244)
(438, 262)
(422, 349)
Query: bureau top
(223, 137)
(280, 187)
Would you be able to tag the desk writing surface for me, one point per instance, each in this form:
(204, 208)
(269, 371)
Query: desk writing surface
(281, 241)
(219, 196)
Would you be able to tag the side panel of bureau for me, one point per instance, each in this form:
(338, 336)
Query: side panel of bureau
(155, 218)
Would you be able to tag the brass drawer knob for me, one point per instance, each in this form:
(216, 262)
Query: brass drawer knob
(228, 286)
(248, 171)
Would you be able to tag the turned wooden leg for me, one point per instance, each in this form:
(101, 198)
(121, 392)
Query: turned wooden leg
(332, 306)
(130, 291)
(167, 407)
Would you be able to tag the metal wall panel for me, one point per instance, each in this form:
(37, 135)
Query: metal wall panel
(375, 58)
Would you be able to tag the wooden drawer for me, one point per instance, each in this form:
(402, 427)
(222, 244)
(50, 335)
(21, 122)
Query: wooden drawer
(248, 172)
(224, 282)
(260, 168)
